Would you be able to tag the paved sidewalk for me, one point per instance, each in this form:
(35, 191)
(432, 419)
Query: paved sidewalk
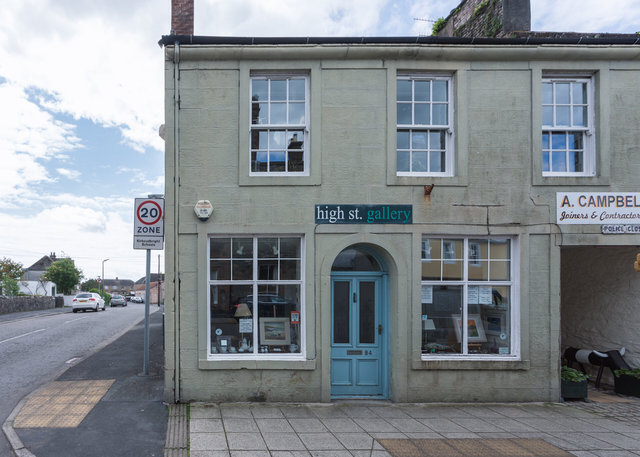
(404, 430)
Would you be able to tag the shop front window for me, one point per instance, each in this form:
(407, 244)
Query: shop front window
(255, 297)
(467, 305)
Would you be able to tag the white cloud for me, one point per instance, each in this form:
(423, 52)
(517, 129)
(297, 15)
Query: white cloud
(30, 137)
(69, 174)
(619, 16)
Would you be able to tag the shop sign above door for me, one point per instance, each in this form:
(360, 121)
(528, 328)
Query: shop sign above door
(611, 208)
(364, 214)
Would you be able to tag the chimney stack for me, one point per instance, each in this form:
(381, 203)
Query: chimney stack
(182, 17)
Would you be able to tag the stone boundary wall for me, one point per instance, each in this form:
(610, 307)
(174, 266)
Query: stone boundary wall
(30, 303)
(488, 18)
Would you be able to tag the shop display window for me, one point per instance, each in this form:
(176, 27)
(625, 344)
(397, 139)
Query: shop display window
(255, 297)
(466, 296)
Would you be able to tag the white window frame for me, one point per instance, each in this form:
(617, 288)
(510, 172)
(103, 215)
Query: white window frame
(588, 132)
(255, 283)
(514, 287)
(281, 127)
(447, 128)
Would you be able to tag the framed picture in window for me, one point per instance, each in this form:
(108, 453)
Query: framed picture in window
(475, 329)
(275, 331)
(496, 323)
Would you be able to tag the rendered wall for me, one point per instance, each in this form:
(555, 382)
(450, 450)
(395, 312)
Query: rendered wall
(352, 130)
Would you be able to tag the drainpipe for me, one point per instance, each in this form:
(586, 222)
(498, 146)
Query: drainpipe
(176, 216)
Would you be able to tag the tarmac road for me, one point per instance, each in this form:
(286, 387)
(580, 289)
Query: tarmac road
(36, 347)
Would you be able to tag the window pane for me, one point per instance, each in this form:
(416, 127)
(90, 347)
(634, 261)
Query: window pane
(404, 114)
(226, 337)
(296, 89)
(431, 270)
(403, 89)
(452, 270)
(452, 249)
(562, 93)
(367, 312)
(403, 160)
(278, 89)
(242, 248)
(260, 113)
(403, 139)
(496, 324)
(439, 91)
(419, 161)
(436, 140)
(220, 270)
(259, 161)
(580, 116)
(545, 140)
(558, 161)
(421, 114)
(220, 248)
(479, 270)
(278, 113)
(500, 270)
(276, 139)
(277, 161)
(267, 248)
(421, 91)
(341, 317)
(437, 161)
(296, 113)
(259, 88)
(579, 93)
(290, 248)
(277, 332)
(547, 115)
(500, 249)
(547, 93)
(441, 313)
(432, 247)
(418, 140)
(575, 161)
(563, 114)
(289, 269)
(268, 270)
(558, 141)
(295, 161)
(545, 161)
(439, 114)
(259, 139)
(242, 270)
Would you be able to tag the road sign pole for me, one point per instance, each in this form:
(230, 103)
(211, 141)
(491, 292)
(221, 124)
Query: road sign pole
(145, 368)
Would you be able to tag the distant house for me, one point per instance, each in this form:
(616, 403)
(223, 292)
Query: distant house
(118, 286)
(156, 283)
(32, 283)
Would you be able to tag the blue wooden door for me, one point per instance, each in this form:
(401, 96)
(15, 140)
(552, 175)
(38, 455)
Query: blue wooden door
(358, 336)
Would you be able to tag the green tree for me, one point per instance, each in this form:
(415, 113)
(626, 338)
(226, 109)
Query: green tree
(10, 273)
(89, 284)
(64, 273)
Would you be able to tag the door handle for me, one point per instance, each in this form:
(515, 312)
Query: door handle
(355, 300)
(379, 329)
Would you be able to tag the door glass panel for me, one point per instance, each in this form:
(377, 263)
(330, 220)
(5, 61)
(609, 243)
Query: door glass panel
(341, 312)
(367, 312)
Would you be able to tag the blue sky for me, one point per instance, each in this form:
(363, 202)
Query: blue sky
(81, 101)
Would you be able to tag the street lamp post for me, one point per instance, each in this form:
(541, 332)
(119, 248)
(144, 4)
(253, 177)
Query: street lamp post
(102, 282)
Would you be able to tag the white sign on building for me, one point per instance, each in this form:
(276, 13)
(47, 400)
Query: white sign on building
(148, 223)
(601, 208)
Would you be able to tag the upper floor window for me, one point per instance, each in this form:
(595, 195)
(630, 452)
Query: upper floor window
(568, 143)
(425, 127)
(279, 124)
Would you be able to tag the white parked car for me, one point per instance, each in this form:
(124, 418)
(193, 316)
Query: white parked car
(88, 300)
(137, 300)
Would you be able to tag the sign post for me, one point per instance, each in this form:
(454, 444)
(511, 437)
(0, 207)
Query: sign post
(148, 233)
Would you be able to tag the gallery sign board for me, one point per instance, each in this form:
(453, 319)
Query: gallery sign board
(364, 214)
(601, 208)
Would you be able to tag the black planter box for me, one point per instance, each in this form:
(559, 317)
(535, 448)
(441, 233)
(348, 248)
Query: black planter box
(573, 390)
(627, 385)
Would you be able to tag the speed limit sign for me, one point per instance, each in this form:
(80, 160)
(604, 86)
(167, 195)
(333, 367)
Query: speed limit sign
(148, 223)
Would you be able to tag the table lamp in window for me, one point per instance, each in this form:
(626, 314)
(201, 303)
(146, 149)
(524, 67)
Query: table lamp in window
(243, 312)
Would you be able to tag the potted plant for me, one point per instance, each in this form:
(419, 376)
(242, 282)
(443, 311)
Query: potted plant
(573, 383)
(627, 382)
